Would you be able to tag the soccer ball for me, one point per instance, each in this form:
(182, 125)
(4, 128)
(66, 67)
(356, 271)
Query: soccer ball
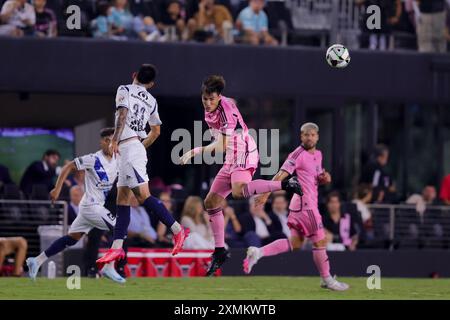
(338, 56)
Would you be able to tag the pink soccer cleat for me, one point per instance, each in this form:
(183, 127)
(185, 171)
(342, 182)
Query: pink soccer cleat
(110, 255)
(253, 255)
(178, 240)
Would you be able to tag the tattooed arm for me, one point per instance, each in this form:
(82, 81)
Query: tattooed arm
(120, 125)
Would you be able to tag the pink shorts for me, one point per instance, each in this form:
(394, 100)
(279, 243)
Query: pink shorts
(226, 176)
(307, 223)
(238, 171)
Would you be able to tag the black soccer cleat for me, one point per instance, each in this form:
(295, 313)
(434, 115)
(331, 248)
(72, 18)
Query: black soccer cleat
(292, 185)
(218, 259)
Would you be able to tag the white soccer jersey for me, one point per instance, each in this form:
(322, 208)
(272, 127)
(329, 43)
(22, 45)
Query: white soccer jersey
(99, 178)
(142, 109)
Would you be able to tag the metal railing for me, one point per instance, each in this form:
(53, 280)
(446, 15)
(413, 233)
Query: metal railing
(23, 218)
(403, 227)
(340, 19)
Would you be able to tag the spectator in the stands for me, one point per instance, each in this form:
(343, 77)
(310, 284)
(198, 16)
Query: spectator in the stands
(391, 11)
(76, 193)
(211, 21)
(17, 246)
(426, 225)
(17, 18)
(431, 26)
(363, 197)
(233, 228)
(339, 228)
(122, 19)
(444, 193)
(41, 172)
(146, 28)
(45, 20)
(375, 173)
(195, 218)
(427, 198)
(280, 214)
(102, 25)
(172, 22)
(254, 23)
(140, 231)
(257, 226)
(5, 177)
(164, 236)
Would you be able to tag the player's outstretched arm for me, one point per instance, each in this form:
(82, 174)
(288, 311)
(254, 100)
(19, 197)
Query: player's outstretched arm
(152, 136)
(261, 199)
(218, 146)
(66, 170)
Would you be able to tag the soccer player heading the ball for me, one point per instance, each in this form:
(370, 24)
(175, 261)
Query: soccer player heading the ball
(231, 136)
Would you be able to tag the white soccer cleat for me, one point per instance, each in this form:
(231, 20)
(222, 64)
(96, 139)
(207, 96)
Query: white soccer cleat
(253, 255)
(333, 284)
(111, 273)
(33, 268)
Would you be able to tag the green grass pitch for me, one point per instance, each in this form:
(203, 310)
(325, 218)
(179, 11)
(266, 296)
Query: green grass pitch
(220, 288)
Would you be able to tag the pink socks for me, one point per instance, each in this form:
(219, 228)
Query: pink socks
(260, 186)
(276, 247)
(320, 258)
(218, 226)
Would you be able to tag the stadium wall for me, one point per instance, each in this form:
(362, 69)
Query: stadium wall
(70, 65)
(399, 263)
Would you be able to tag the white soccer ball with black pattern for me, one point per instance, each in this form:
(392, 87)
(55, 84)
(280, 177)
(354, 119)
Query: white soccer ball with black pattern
(338, 56)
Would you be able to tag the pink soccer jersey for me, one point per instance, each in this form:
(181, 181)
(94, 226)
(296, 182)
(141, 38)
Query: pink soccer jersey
(241, 150)
(307, 166)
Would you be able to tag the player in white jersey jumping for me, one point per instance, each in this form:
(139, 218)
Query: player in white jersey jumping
(101, 172)
(135, 107)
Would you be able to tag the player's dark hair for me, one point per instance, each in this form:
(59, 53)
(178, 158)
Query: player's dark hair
(146, 73)
(106, 132)
(51, 152)
(333, 194)
(213, 83)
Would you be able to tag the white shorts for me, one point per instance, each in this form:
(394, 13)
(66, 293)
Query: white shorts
(132, 164)
(93, 216)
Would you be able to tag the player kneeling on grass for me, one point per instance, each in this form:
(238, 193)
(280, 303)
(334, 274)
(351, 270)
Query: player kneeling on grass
(101, 172)
(304, 218)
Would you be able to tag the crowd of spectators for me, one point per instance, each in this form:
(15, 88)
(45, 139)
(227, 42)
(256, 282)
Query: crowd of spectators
(159, 20)
(219, 21)
(349, 222)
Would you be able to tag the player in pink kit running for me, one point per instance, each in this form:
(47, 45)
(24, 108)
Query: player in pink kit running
(304, 217)
(241, 160)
